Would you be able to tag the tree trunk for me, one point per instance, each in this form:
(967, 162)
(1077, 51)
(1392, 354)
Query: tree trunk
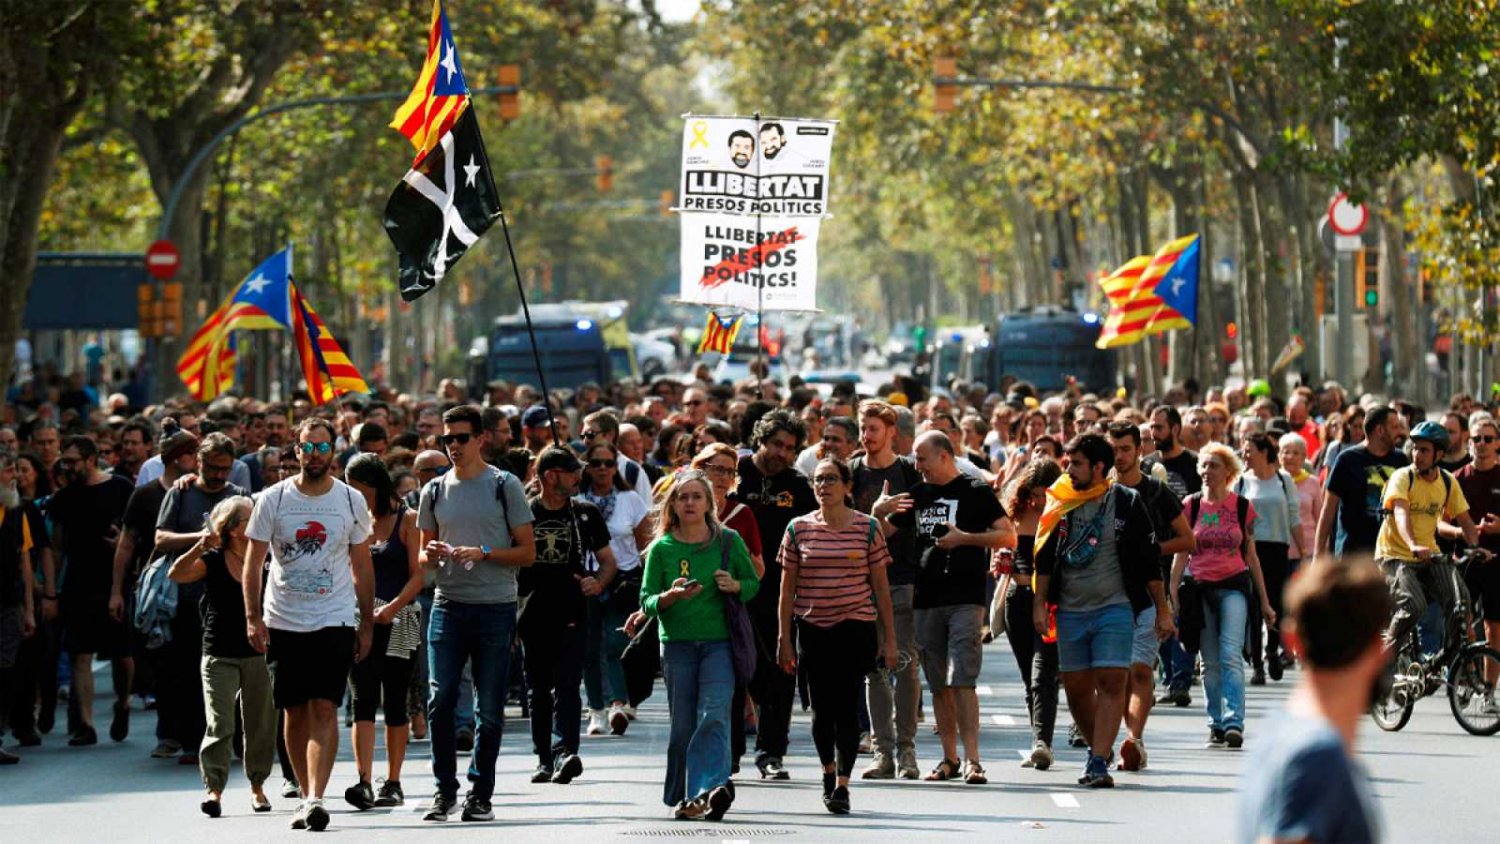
(48, 67)
(1407, 347)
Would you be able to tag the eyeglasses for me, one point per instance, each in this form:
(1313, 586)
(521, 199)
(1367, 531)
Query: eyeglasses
(601, 464)
(450, 439)
(589, 434)
(825, 480)
(1486, 438)
(432, 470)
(320, 448)
(721, 471)
(693, 403)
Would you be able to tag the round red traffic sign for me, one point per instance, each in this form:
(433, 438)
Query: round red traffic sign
(1345, 217)
(162, 260)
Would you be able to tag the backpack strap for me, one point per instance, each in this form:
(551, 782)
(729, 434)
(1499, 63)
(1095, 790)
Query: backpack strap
(1193, 500)
(1242, 512)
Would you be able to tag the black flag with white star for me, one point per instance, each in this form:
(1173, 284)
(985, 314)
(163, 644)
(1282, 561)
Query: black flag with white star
(442, 206)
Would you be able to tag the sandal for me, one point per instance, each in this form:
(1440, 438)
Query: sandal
(945, 770)
(974, 773)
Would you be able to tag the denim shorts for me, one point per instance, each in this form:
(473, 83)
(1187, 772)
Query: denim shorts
(1101, 638)
(1143, 650)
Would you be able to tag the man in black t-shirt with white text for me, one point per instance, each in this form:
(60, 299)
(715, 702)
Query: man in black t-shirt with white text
(957, 520)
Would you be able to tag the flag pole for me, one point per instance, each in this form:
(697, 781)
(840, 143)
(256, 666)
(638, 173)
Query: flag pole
(760, 289)
(536, 353)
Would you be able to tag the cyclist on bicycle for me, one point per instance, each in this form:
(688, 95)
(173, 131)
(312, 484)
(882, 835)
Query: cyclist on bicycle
(1418, 498)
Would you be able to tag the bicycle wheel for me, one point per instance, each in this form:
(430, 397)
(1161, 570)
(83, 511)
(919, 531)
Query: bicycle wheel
(1391, 711)
(1471, 698)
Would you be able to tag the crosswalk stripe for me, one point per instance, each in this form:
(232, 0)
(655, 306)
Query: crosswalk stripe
(1064, 801)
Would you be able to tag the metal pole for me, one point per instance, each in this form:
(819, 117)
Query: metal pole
(1343, 291)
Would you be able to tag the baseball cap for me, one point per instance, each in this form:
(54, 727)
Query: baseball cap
(536, 416)
(554, 457)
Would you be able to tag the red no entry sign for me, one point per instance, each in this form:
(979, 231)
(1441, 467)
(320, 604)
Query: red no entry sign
(162, 260)
(1346, 217)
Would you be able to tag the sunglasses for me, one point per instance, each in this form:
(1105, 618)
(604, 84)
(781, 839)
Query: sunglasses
(320, 448)
(433, 470)
(693, 403)
(589, 434)
(601, 464)
(450, 439)
(1486, 438)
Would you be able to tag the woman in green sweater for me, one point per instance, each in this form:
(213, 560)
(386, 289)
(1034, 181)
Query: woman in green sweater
(693, 567)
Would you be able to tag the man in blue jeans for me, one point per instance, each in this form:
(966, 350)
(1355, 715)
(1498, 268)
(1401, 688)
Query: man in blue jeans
(1096, 561)
(476, 532)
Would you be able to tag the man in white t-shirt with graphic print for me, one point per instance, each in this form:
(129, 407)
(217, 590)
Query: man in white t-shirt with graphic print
(319, 605)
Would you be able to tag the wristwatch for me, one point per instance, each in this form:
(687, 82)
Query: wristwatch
(485, 550)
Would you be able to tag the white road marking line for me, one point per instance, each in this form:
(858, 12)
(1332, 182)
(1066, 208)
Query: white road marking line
(1004, 721)
(983, 690)
(1024, 754)
(1064, 801)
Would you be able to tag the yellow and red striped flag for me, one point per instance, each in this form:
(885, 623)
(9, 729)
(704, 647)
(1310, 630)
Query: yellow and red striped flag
(328, 371)
(261, 301)
(1152, 295)
(440, 95)
(718, 335)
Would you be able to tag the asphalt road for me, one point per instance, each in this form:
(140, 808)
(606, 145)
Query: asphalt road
(1433, 783)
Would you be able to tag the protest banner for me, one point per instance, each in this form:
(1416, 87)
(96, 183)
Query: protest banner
(728, 262)
(740, 165)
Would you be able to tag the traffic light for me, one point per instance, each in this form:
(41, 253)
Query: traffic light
(510, 103)
(604, 173)
(666, 203)
(945, 92)
(145, 311)
(1366, 278)
(171, 309)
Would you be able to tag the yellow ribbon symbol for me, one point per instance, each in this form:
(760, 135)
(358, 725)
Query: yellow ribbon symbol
(700, 133)
(683, 567)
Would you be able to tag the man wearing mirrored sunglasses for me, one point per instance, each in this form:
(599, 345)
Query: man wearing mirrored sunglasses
(319, 605)
(476, 533)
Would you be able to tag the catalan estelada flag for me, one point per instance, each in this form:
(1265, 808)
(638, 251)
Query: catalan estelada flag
(1149, 295)
(328, 371)
(261, 301)
(718, 335)
(440, 94)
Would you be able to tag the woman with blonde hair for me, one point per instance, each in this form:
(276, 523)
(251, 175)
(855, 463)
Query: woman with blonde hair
(692, 568)
(231, 668)
(1221, 572)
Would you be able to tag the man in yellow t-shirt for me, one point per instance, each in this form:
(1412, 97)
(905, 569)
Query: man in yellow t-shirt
(1418, 498)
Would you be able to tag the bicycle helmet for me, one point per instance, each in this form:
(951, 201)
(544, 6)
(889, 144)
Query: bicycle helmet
(1433, 433)
(1259, 388)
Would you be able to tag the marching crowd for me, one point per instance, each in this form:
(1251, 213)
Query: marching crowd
(246, 566)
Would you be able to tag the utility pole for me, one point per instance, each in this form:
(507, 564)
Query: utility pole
(1343, 285)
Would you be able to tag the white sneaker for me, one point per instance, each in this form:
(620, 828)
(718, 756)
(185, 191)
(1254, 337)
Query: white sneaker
(618, 720)
(597, 727)
(299, 816)
(630, 712)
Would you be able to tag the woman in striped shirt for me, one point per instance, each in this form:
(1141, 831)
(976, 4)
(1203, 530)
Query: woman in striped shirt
(833, 583)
